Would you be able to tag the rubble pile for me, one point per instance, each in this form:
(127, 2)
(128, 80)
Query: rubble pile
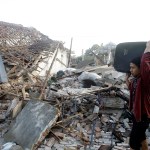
(70, 110)
(21, 50)
(88, 118)
(85, 119)
(91, 118)
(82, 124)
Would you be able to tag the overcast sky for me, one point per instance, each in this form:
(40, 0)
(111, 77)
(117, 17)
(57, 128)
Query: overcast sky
(87, 21)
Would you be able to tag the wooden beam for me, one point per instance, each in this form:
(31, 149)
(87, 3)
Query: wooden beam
(48, 73)
(60, 62)
(69, 59)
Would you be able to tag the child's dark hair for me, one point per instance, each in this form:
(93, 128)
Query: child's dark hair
(136, 61)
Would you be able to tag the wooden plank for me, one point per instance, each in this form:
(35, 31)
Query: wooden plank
(23, 91)
(69, 59)
(17, 109)
(60, 62)
(12, 70)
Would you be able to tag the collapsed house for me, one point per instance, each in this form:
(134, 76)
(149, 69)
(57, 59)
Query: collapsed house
(27, 48)
(27, 54)
(71, 109)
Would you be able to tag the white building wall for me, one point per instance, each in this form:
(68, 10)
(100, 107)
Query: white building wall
(45, 64)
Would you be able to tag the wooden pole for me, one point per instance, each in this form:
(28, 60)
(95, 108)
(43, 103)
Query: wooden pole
(61, 62)
(82, 55)
(69, 59)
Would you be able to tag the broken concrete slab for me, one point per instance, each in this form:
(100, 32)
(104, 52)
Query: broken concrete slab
(105, 147)
(113, 102)
(11, 146)
(32, 124)
(16, 147)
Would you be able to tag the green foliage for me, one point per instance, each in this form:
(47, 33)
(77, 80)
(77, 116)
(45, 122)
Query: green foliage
(102, 51)
(79, 59)
(88, 57)
(88, 52)
(95, 47)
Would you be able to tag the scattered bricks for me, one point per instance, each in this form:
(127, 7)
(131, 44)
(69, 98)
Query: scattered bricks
(59, 134)
(86, 139)
(108, 133)
(107, 141)
(114, 119)
(42, 146)
(78, 138)
(97, 129)
(2, 116)
(127, 140)
(85, 134)
(89, 131)
(16, 147)
(105, 147)
(119, 148)
(47, 148)
(73, 134)
(123, 144)
(98, 122)
(79, 128)
(4, 105)
(104, 119)
(51, 142)
(45, 141)
(121, 129)
(148, 140)
(98, 135)
(87, 127)
(125, 121)
(83, 124)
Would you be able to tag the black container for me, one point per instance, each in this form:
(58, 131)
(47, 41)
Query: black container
(125, 52)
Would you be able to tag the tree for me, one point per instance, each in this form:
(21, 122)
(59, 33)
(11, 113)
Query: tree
(110, 46)
(102, 52)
